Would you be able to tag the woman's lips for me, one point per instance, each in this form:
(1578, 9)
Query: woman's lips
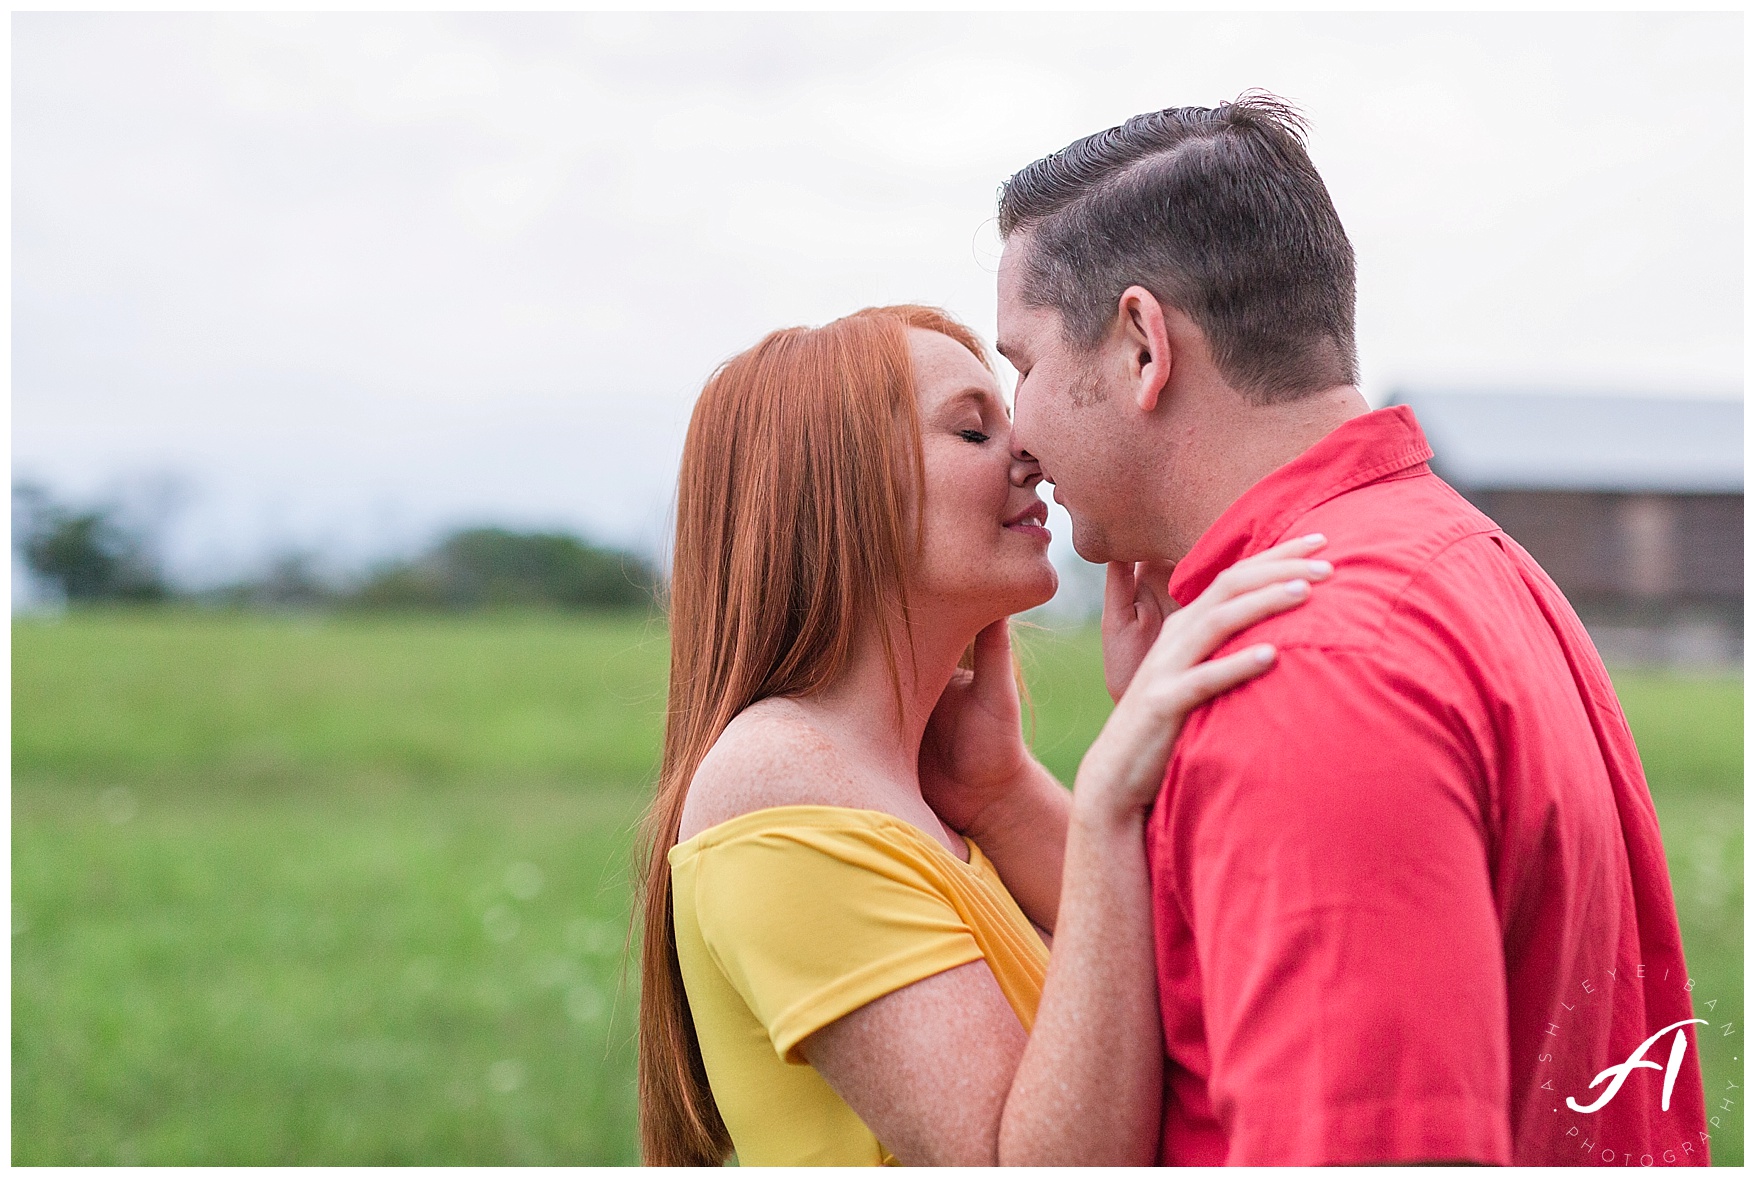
(1031, 521)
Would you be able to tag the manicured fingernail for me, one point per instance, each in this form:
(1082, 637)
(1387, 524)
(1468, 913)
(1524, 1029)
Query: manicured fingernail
(1298, 588)
(1314, 538)
(1263, 654)
(1321, 568)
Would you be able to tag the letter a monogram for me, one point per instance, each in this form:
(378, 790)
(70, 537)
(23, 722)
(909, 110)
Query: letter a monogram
(1621, 1071)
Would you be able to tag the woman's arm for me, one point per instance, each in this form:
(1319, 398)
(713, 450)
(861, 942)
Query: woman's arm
(943, 1074)
(979, 777)
(928, 1067)
(1088, 1090)
(1024, 836)
(941, 1070)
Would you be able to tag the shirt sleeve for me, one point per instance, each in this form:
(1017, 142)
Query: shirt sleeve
(1324, 840)
(807, 931)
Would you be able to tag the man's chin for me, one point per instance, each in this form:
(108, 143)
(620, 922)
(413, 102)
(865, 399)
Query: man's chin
(1091, 544)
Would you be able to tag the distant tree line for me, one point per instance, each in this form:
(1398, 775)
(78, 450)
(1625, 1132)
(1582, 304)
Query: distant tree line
(89, 554)
(492, 567)
(97, 554)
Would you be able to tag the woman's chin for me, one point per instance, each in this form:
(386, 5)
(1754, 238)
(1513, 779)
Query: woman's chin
(1045, 591)
(1027, 592)
(1000, 593)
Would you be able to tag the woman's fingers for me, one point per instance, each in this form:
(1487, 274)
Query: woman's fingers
(1152, 585)
(1190, 637)
(1118, 590)
(1128, 756)
(1244, 576)
(1243, 611)
(1302, 546)
(1217, 676)
(1258, 587)
(993, 656)
(1176, 676)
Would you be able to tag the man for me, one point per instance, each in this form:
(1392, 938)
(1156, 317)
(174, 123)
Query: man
(1409, 896)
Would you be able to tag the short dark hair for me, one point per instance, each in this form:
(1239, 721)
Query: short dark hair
(1215, 210)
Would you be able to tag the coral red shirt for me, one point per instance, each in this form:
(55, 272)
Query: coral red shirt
(1409, 893)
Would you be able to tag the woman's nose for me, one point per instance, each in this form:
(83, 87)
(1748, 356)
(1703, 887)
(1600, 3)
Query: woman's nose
(1026, 471)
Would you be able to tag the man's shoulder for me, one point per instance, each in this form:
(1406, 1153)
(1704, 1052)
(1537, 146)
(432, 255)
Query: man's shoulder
(1395, 528)
(1432, 629)
(1393, 544)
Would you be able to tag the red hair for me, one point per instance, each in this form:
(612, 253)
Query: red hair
(795, 524)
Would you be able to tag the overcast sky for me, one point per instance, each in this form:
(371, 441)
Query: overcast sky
(352, 278)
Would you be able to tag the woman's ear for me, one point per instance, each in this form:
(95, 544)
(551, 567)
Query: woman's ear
(1147, 340)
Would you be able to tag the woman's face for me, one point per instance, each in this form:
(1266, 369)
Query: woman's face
(985, 543)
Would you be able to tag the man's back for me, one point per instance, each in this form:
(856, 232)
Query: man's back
(1409, 890)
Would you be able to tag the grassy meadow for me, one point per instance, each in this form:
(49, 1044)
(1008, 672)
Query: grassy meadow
(354, 890)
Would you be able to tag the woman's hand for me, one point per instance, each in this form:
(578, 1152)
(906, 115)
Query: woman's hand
(1136, 600)
(980, 779)
(1089, 1086)
(1124, 767)
(973, 752)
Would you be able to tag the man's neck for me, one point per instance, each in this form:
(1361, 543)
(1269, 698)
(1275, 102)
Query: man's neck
(1218, 459)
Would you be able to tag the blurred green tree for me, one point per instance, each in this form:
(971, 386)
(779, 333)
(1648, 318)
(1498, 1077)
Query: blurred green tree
(494, 567)
(88, 555)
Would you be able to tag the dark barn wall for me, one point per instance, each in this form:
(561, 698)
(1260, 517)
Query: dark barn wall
(1709, 545)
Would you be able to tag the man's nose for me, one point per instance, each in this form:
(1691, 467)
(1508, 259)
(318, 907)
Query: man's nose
(1026, 471)
(1023, 429)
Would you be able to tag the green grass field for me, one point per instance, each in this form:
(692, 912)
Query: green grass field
(354, 891)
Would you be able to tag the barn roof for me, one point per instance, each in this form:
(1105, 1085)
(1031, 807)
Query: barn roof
(1581, 442)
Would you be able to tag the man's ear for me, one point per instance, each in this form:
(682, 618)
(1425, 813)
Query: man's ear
(1146, 337)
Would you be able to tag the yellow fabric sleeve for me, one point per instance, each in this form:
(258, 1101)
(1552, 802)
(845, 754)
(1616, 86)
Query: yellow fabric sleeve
(809, 925)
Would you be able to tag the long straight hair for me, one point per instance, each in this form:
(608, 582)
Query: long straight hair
(796, 522)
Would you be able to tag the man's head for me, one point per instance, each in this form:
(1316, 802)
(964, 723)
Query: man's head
(1152, 269)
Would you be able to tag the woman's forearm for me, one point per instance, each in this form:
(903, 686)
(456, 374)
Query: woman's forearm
(1024, 836)
(1089, 1088)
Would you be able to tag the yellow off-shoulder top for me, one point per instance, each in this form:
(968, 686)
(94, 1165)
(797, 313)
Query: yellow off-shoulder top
(790, 917)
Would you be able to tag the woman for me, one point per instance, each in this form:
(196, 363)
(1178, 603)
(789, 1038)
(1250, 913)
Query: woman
(855, 864)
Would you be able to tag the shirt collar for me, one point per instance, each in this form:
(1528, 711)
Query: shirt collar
(1360, 450)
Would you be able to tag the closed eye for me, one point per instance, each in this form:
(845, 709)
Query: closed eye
(972, 435)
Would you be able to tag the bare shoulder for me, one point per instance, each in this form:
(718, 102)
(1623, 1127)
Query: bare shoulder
(769, 755)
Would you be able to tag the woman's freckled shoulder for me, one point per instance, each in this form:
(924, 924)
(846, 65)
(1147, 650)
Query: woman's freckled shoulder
(769, 755)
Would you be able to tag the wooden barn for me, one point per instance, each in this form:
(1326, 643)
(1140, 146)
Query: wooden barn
(1634, 505)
